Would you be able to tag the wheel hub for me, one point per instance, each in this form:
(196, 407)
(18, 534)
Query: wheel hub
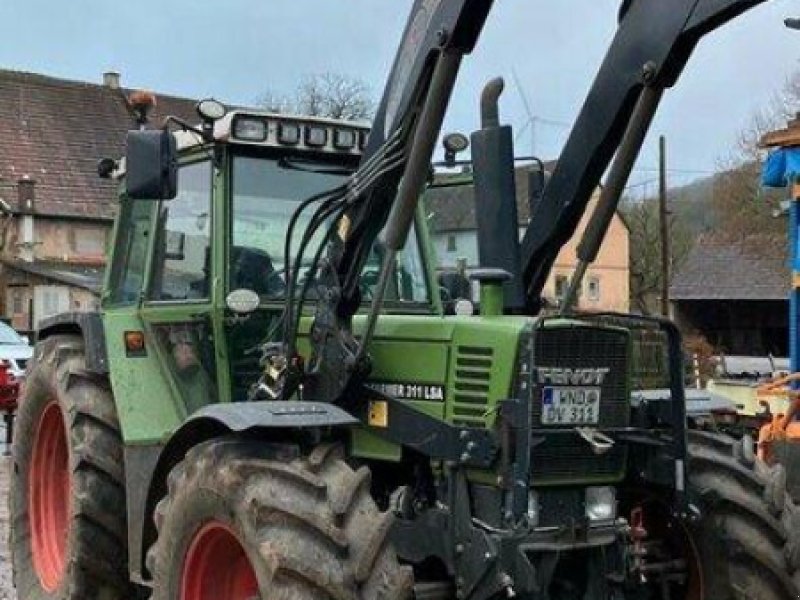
(49, 490)
(216, 567)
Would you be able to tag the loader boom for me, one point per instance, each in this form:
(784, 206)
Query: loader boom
(653, 43)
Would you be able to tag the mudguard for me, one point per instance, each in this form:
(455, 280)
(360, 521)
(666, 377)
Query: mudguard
(89, 325)
(153, 464)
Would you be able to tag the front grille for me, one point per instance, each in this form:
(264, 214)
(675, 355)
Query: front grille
(587, 348)
(567, 458)
(472, 376)
(561, 507)
(561, 457)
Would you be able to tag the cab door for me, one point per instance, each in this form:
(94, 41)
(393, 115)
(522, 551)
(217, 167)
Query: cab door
(178, 309)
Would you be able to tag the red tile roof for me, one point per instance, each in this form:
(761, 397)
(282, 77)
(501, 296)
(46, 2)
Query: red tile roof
(54, 131)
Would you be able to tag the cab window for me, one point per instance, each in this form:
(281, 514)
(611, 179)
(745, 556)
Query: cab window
(266, 192)
(182, 259)
(130, 253)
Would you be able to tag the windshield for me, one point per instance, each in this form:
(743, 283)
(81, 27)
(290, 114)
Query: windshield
(266, 193)
(9, 336)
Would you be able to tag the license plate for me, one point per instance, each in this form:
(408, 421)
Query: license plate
(570, 405)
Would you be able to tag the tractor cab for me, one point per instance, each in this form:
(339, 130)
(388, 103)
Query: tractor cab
(200, 250)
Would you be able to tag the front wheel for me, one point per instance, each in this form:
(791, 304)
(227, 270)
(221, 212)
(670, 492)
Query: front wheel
(245, 520)
(67, 497)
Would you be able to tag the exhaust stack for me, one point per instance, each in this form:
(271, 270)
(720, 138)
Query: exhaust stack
(496, 197)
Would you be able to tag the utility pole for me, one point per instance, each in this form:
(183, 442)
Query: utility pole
(664, 222)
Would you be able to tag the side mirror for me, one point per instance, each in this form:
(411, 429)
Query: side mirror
(151, 165)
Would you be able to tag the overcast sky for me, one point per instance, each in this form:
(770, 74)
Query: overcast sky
(236, 49)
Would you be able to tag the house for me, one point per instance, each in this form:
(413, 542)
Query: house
(606, 286)
(735, 293)
(55, 212)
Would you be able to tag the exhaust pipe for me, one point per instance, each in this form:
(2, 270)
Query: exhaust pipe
(496, 197)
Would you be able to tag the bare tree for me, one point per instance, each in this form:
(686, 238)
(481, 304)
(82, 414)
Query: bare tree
(330, 95)
(642, 218)
(742, 208)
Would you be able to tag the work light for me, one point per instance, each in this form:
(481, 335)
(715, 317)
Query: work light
(316, 136)
(344, 139)
(289, 134)
(252, 130)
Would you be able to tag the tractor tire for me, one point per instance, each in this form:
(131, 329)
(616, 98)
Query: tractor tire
(747, 542)
(244, 520)
(68, 533)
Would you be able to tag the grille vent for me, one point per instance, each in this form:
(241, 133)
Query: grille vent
(473, 373)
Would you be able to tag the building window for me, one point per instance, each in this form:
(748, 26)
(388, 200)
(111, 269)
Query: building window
(562, 283)
(87, 242)
(19, 306)
(452, 246)
(593, 289)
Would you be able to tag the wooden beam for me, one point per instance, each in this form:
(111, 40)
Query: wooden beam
(782, 138)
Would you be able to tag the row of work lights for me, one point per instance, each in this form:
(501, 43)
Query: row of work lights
(286, 132)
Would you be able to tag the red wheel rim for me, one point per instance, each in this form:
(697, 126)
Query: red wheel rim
(48, 497)
(217, 568)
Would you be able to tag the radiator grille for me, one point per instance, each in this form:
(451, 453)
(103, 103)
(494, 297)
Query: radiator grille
(472, 377)
(582, 348)
(566, 458)
(560, 457)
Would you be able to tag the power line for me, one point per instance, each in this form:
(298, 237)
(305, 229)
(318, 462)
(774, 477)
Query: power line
(679, 171)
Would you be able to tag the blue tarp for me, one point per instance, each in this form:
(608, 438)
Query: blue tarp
(781, 168)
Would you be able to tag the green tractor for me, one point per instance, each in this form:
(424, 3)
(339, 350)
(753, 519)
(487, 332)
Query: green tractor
(274, 402)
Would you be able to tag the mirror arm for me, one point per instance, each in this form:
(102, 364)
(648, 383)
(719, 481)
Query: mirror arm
(204, 134)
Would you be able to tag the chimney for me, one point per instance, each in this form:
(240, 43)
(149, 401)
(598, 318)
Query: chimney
(26, 205)
(26, 196)
(111, 80)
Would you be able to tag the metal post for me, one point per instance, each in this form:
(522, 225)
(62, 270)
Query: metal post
(664, 221)
(794, 301)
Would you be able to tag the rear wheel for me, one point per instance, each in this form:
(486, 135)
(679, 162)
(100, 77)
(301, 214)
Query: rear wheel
(748, 541)
(67, 501)
(243, 521)
(743, 545)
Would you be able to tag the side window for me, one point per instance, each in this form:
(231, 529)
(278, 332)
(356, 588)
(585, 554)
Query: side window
(130, 253)
(408, 283)
(182, 262)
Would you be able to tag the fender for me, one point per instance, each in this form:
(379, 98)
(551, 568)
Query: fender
(147, 467)
(89, 325)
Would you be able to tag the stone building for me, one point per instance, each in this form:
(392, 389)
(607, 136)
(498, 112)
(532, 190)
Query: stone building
(55, 212)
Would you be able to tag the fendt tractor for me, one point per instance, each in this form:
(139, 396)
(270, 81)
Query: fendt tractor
(273, 402)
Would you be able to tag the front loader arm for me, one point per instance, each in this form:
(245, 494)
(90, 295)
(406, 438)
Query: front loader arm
(436, 30)
(652, 45)
(390, 179)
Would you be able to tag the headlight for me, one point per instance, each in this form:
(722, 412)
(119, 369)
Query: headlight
(533, 509)
(601, 504)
